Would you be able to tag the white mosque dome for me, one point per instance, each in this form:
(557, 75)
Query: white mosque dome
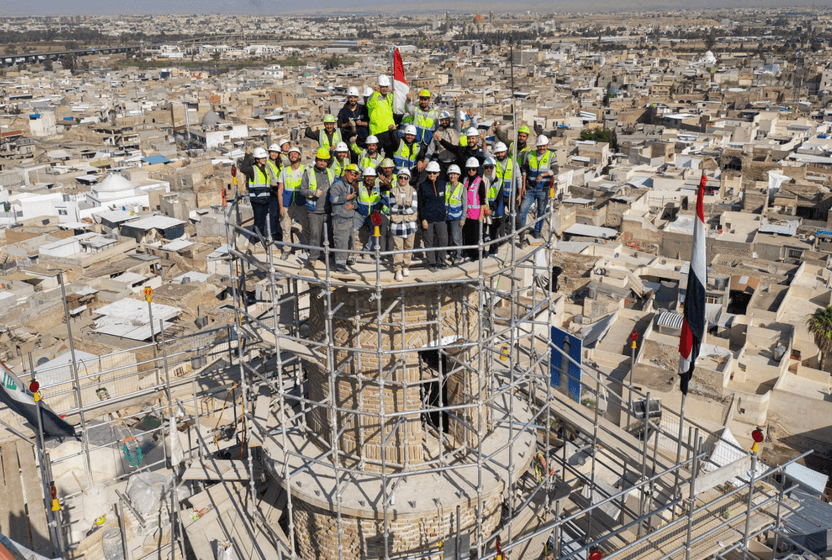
(709, 59)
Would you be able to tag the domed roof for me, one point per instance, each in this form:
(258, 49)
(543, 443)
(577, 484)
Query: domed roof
(210, 120)
(709, 58)
(115, 183)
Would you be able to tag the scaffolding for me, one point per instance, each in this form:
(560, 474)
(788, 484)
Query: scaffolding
(410, 419)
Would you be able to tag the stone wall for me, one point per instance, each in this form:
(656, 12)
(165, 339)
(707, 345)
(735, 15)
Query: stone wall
(413, 320)
(316, 530)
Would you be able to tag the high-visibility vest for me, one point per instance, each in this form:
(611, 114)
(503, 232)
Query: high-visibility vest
(338, 168)
(366, 160)
(274, 169)
(370, 200)
(453, 201)
(505, 171)
(258, 187)
(291, 184)
(380, 109)
(492, 193)
(311, 203)
(472, 189)
(425, 122)
(520, 157)
(323, 139)
(405, 156)
(538, 165)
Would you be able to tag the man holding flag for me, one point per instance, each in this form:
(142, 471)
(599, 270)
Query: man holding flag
(380, 110)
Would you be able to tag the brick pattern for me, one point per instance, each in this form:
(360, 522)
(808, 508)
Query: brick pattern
(316, 530)
(413, 322)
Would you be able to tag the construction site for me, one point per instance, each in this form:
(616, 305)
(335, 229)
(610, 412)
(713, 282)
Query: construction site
(351, 416)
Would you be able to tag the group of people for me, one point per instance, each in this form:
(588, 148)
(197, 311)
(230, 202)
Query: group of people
(387, 177)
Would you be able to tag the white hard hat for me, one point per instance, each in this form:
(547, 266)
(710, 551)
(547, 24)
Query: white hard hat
(432, 167)
(274, 148)
(410, 129)
(371, 140)
(542, 140)
(368, 91)
(444, 115)
(454, 169)
(352, 91)
(500, 147)
(260, 153)
(403, 171)
(369, 172)
(341, 147)
(472, 132)
(294, 149)
(472, 162)
(384, 80)
(489, 161)
(284, 141)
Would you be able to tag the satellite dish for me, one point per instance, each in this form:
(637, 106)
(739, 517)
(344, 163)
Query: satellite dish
(42, 360)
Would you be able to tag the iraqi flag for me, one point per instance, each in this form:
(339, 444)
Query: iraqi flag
(400, 87)
(17, 397)
(693, 326)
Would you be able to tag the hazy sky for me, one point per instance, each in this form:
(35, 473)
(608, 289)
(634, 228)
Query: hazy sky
(76, 7)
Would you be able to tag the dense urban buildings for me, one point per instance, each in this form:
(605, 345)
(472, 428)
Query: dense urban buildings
(507, 384)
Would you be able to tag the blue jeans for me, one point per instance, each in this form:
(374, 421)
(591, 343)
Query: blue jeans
(266, 212)
(532, 196)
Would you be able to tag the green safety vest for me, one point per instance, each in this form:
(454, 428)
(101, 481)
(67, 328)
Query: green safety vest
(274, 168)
(366, 160)
(293, 180)
(312, 203)
(380, 109)
(492, 192)
(518, 157)
(258, 187)
(505, 171)
(453, 200)
(337, 168)
(405, 156)
(323, 139)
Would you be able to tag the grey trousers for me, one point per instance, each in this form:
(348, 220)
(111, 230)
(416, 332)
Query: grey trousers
(456, 237)
(342, 231)
(316, 233)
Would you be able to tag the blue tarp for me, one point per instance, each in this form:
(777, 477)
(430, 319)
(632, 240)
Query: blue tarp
(155, 159)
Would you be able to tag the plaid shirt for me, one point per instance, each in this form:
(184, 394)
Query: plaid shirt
(399, 206)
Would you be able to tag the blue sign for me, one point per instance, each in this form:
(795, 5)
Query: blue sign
(565, 375)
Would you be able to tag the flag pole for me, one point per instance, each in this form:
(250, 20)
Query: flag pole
(679, 442)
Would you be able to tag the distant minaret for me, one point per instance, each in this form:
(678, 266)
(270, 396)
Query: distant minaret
(491, 17)
(447, 21)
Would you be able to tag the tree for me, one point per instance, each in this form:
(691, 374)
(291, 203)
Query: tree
(11, 48)
(820, 325)
(47, 64)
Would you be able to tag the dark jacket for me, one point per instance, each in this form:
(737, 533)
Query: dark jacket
(432, 201)
(359, 114)
(464, 152)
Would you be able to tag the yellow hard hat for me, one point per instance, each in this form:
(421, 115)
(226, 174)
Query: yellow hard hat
(322, 153)
(352, 167)
(424, 93)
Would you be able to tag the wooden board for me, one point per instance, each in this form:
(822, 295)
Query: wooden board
(4, 503)
(18, 526)
(228, 470)
(33, 494)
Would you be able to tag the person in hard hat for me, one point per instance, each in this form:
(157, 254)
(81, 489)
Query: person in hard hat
(423, 117)
(449, 129)
(380, 111)
(327, 137)
(353, 119)
(260, 194)
(315, 188)
(342, 201)
(292, 203)
(504, 175)
(386, 178)
(404, 205)
(517, 153)
(284, 145)
(409, 153)
(372, 200)
(456, 203)
(538, 170)
(471, 149)
(274, 164)
(369, 156)
(340, 159)
(494, 204)
(476, 186)
(432, 215)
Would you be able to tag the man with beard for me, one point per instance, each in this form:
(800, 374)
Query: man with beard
(353, 119)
